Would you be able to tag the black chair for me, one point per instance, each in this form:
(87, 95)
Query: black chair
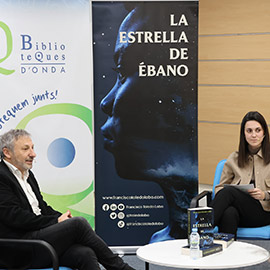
(31, 244)
(247, 233)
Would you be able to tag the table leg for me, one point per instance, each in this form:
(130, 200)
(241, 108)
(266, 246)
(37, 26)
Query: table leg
(146, 266)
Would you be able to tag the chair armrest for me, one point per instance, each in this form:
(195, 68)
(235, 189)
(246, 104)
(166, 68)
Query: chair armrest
(30, 242)
(195, 201)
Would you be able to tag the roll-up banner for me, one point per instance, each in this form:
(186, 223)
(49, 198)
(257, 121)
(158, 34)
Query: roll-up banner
(45, 82)
(145, 91)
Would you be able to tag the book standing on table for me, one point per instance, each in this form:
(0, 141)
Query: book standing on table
(202, 218)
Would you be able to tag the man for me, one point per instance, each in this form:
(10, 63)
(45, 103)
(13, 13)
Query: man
(24, 213)
(151, 128)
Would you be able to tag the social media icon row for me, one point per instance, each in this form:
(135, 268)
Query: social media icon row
(114, 215)
(113, 207)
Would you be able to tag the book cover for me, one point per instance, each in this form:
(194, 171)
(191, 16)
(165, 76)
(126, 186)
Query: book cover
(203, 219)
(204, 251)
(225, 239)
(242, 187)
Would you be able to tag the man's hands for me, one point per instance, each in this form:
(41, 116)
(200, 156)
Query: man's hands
(257, 194)
(65, 216)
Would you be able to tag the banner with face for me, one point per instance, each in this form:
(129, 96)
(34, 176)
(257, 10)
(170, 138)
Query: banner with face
(145, 87)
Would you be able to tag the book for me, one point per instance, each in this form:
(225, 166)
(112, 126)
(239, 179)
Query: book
(202, 218)
(225, 239)
(204, 251)
(244, 188)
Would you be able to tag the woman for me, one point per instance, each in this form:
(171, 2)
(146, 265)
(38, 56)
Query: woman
(251, 164)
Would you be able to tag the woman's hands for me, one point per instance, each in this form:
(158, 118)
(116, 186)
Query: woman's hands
(257, 194)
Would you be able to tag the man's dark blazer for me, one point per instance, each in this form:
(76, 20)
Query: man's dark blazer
(16, 214)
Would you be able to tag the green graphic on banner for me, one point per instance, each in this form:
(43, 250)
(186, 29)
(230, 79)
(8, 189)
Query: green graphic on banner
(82, 203)
(9, 48)
(72, 202)
(83, 113)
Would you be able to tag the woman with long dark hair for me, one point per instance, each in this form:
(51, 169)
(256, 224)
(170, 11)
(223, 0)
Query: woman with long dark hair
(233, 207)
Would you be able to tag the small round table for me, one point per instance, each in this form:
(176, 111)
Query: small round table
(168, 253)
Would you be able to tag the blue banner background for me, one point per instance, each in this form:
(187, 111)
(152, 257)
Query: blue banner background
(128, 211)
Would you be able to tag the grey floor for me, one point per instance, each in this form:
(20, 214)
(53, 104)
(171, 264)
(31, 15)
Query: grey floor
(140, 265)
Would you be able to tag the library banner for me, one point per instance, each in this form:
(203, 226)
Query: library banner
(145, 58)
(45, 78)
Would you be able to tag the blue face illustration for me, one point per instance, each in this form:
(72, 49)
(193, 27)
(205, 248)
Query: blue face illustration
(151, 124)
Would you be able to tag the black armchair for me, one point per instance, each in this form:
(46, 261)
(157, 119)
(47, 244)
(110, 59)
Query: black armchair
(195, 201)
(27, 246)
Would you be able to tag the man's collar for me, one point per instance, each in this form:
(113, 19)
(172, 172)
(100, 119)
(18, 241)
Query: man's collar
(16, 171)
